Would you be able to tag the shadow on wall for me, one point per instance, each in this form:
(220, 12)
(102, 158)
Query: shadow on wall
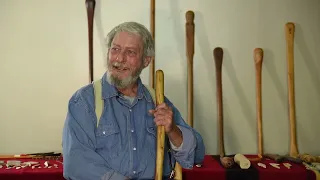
(206, 52)
(239, 90)
(99, 27)
(313, 70)
(244, 106)
(179, 31)
(269, 69)
(313, 67)
(174, 86)
(205, 49)
(269, 65)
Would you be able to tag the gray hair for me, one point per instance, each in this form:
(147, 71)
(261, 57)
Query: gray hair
(135, 28)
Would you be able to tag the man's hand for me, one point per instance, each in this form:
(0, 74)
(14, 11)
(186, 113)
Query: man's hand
(164, 117)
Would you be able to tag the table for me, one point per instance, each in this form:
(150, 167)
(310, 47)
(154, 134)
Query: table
(211, 170)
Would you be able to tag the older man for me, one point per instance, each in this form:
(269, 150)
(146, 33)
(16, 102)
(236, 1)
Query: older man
(122, 143)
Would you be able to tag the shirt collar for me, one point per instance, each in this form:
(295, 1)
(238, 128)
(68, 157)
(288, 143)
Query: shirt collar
(109, 90)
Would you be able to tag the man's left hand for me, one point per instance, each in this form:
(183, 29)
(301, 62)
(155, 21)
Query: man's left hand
(163, 116)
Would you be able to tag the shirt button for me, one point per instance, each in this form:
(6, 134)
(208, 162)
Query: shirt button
(132, 130)
(104, 132)
(134, 149)
(134, 172)
(130, 110)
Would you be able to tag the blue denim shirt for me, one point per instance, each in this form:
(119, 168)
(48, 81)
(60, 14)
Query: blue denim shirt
(124, 143)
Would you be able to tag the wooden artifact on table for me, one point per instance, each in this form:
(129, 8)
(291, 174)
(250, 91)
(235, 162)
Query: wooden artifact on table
(242, 161)
(47, 156)
(281, 158)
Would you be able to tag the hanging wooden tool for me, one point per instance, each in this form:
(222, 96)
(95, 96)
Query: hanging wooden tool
(190, 28)
(90, 6)
(258, 60)
(152, 29)
(226, 162)
(289, 36)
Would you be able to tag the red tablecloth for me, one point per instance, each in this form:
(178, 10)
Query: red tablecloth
(27, 173)
(211, 169)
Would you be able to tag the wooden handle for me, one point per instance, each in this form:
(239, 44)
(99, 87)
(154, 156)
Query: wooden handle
(258, 60)
(90, 6)
(160, 129)
(289, 33)
(152, 29)
(218, 57)
(190, 52)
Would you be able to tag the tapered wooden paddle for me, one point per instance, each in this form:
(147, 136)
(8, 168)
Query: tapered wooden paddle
(289, 36)
(190, 27)
(226, 162)
(258, 60)
(90, 6)
(152, 29)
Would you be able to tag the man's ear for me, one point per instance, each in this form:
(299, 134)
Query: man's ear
(147, 61)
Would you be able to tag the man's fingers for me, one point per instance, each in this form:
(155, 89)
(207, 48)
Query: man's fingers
(160, 120)
(160, 113)
(152, 111)
(162, 106)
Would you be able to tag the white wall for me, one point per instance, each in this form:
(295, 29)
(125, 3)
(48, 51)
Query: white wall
(44, 59)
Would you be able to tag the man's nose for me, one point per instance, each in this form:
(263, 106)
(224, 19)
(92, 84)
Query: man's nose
(121, 57)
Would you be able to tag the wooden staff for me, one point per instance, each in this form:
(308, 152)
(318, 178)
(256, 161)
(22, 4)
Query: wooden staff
(161, 132)
(152, 28)
(258, 60)
(160, 129)
(90, 6)
(226, 162)
(289, 35)
(190, 53)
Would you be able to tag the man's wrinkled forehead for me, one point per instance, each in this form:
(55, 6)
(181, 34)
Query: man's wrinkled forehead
(127, 40)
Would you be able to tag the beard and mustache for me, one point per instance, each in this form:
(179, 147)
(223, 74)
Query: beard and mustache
(116, 81)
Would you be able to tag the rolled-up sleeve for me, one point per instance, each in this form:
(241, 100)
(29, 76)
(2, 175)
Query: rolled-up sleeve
(185, 153)
(188, 140)
(192, 149)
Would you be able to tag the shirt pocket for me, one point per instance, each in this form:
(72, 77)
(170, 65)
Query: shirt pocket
(108, 139)
(151, 136)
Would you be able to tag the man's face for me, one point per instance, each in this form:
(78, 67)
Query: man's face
(124, 60)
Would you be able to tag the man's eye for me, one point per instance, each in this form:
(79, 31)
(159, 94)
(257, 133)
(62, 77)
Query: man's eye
(132, 52)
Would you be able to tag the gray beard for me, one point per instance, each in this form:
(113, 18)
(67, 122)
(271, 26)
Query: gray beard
(118, 83)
